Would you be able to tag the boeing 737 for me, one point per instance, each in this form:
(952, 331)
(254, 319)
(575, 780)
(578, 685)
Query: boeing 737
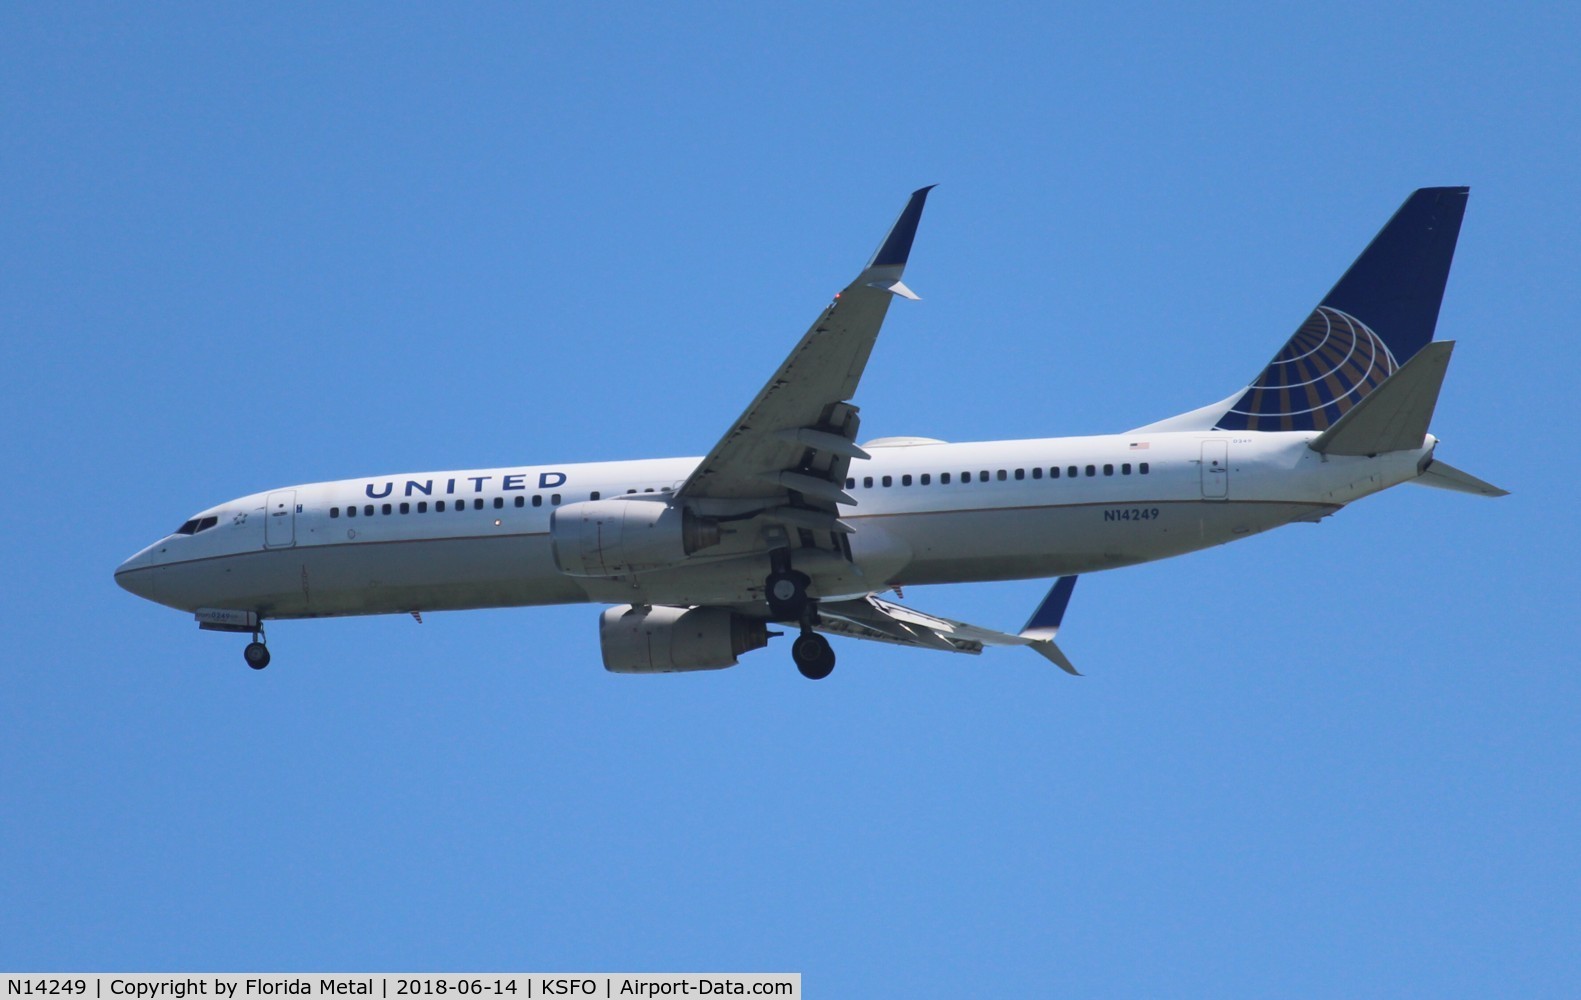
(789, 521)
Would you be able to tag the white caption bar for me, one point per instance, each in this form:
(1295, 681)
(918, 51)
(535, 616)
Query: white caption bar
(396, 986)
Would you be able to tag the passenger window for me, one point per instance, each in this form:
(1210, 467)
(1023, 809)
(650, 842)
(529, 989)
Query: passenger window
(461, 506)
(406, 508)
(906, 479)
(1142, 468)
(1054, 472)
(1125, 468)
(537, 499)
(1071, 471)
(385, 509)
(439, 506)
(927, 478)
(983, 476)
(351, 512)
(521, 501)
(1037, 473)
(850, 484)
(867, 482)
(499, 502)
(477, 504)
(1021, 473)
(367, 510)
(944, 479)
(966, 477)
(632, 490)
(889, 481)
(1108, 470)
(422, 506)
(1092, 470)
(555, 498)
(334, 512)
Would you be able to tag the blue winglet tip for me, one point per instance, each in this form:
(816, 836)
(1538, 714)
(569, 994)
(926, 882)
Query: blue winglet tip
(896, 248)
(1045, 621)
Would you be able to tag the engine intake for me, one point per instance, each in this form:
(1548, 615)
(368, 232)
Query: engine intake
(658, 640)
(610, 538)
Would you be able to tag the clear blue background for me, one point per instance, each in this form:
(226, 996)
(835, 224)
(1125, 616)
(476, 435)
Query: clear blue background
(245, 247)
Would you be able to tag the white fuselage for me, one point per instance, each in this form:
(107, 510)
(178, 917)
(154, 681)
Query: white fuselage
(925, 513)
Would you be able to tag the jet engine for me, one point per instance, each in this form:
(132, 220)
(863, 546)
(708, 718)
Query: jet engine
(606, 538)
(658, 640)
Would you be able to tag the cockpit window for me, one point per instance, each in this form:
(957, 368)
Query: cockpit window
(188, 528)
(198, 524)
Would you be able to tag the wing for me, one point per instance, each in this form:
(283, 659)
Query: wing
(785, 457)
(884, 621)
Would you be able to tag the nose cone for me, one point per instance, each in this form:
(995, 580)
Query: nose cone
(138, 575)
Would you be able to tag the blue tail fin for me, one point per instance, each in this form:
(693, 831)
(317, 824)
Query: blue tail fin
(1373, 321)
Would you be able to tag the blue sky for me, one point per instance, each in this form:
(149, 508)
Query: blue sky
(247, 247)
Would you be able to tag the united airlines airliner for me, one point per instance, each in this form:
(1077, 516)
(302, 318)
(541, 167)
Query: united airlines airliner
(788, 522)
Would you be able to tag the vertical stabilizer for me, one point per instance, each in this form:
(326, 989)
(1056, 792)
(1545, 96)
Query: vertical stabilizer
(1379, 315)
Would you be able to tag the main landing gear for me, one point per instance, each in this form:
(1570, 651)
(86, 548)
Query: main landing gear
(813, 656)
(786, 593)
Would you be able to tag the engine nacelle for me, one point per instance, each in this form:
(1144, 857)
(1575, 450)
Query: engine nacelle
(607, 538)
(657, 640)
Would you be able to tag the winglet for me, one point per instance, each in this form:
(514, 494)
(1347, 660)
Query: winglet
(1045, 622)
(896, 248)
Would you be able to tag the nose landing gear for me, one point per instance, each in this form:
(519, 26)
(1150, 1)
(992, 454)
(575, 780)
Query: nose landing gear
(257, 655)
(230, 620)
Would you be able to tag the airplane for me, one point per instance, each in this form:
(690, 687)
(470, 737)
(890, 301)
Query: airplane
(788, 521)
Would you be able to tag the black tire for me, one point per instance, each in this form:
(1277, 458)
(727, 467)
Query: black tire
(786, 594)
(813, 656)
(257, 655)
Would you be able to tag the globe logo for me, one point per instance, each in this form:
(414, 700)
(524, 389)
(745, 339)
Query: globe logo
(1332, 362)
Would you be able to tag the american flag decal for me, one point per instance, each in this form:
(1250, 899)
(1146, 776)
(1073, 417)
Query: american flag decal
(1140, 445)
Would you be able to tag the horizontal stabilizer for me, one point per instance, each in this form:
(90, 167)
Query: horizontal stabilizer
(1443, 476)
(1395, 416)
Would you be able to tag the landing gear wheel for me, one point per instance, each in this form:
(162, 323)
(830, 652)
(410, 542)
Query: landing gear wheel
(813, 656)
(786, 592)
(257, 655)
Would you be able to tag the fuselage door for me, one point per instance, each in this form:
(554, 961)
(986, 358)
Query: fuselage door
(280, 519)
(1215, 470)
